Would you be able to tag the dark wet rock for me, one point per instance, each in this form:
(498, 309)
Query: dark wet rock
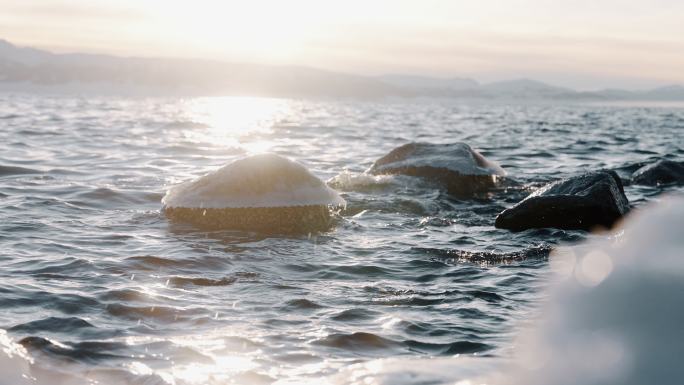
(583, 202)
(466, 347)
(661, 172)
(458, 167)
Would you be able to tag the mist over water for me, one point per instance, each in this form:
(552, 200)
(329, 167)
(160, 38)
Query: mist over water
(96, 283)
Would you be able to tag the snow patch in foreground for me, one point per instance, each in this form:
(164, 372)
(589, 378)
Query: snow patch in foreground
(616, 314)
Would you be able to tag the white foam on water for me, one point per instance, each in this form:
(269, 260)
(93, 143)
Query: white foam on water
(266, 180)
(349, 181)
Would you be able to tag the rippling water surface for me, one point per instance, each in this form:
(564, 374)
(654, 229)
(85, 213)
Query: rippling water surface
(95, 282)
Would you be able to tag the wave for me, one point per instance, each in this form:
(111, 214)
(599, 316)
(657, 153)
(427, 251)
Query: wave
(155, 263)
(358, 341)
(52, 324)
(362, 341)
(184, 125)
(356, 314)
(460, 256)
(202, 281)
(87, 352)
(302, 304)
(109, 197)
(448, 349)
(16, 170)
(164, 314)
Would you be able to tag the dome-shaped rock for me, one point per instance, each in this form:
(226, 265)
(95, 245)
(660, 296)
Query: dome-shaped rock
(267, 193)
(457, 166)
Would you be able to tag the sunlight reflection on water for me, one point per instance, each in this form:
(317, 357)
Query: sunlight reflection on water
(237, 121)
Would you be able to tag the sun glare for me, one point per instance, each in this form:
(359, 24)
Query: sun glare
(237, 121)
(238, 115)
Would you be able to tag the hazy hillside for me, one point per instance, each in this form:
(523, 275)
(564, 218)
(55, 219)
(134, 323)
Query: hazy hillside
(428, 83)
(29, 69)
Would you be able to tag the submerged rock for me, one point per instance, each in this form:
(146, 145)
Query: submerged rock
(661, 172)
(458, 167)
(583, 202)
(267, 193)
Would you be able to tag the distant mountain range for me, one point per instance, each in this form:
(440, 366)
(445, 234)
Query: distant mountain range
(29, 69)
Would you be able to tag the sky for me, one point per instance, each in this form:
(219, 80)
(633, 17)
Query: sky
(582, 44)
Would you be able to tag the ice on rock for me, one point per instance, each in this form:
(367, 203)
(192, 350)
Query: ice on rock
(266, 180)
(265, 192)
(456, 166)
(457, 157)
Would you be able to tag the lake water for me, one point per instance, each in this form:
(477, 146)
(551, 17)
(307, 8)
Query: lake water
(97, 284)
